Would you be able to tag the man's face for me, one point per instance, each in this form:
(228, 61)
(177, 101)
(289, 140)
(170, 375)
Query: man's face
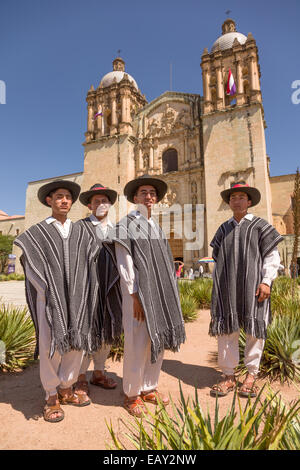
(146, 195)
(99, 205)
(60, 201)
(239, 203)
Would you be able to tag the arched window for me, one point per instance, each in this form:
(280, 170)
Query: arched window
(170, 160)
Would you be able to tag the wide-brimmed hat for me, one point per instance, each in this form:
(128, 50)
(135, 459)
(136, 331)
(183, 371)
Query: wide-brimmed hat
(97, 188)
(253, 193)
(46, 189)
(145, 180)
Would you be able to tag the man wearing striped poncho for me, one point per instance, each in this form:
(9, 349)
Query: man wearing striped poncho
(152, 317)
(247, 260)
(62, 294)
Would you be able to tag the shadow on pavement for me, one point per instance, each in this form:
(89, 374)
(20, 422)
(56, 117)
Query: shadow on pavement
(191, 374)
(24, 392)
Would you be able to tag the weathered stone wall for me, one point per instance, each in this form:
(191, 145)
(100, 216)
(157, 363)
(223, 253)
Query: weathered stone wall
(282, 188)
(234, 150)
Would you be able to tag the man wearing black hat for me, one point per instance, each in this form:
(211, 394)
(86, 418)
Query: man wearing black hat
(56, 258)
(247, 260)
(152, 318)
(99, 199)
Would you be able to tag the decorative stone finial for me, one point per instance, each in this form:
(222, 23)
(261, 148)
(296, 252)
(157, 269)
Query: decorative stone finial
(228, 26)
(119, 64)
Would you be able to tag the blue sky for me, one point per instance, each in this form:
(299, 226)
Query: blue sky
(52, 51)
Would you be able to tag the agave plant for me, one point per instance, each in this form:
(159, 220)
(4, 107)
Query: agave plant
(188, 308)
(281, 356)
(283, 300)
(202, 292)
(117, 349)
(263, 425)
(17, 336)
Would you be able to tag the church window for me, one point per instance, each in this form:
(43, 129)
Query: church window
(170, 160)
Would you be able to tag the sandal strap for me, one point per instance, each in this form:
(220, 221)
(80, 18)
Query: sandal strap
(51, 409)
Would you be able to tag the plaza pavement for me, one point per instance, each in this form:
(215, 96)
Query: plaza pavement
(13, 292)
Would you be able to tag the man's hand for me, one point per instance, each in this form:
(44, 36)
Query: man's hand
(263, 292)
(138, 311)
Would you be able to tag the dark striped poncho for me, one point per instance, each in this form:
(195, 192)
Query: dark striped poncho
(66, 268)
(110, 300)
(157, 282)
(239, 252)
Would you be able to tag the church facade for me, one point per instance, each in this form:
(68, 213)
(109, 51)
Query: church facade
(199, 144)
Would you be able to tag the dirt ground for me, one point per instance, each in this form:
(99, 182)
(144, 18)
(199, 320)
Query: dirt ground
(22, 398)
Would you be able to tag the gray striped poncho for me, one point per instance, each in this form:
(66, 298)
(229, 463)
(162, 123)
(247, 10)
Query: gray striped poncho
(239, 252)
(67, 270)
(110, 300)
(157, 282)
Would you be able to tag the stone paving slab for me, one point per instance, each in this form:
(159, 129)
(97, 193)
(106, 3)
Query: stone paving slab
(13, 292)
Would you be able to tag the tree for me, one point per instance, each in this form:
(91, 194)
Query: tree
(6, 245)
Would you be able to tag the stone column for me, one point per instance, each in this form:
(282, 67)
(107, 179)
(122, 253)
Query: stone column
(220, 88)
(240, 98)
(141, 163)
(151, 157)
(123, 108)
(90, 123)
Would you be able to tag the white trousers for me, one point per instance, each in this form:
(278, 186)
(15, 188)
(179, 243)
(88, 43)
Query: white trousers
(139, 374)
(60, 370)
(228, 353)
(99, 359)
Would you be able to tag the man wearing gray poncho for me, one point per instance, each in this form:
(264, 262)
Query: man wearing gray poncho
(247, 260)
(152, 318)
(99, 199)
(61, 290)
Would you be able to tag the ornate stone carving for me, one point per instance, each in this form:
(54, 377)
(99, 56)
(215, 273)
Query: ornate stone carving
(170, 198)
(167, 120)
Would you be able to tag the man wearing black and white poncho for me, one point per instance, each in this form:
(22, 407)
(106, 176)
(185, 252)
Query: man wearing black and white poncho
(99, 199)
(62, 293)
(152, 317)
(247, 260)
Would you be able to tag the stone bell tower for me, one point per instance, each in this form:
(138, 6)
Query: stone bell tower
(109, 141)
(233, 125)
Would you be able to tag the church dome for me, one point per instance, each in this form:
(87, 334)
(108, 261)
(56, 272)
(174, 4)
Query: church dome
(117, 75)
(229, 34)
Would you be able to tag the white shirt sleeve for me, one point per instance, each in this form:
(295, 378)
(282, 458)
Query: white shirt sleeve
(126, 269)
(270, 267)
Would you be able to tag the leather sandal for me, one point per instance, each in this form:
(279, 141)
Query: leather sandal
(103, 381)
(82, 387)
(222, 388)
(249, 388)
(135, 406)
(50, 410)
(155, 397)
(73, 399)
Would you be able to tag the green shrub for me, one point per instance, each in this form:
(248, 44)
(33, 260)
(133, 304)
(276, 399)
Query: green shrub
(12, 277)
(263, 425)
(281, 356)
(18, 336)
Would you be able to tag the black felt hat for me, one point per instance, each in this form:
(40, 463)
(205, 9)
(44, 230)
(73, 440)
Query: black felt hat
(46, 189)
(253, 193)
(97, 188)
(132, 186)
